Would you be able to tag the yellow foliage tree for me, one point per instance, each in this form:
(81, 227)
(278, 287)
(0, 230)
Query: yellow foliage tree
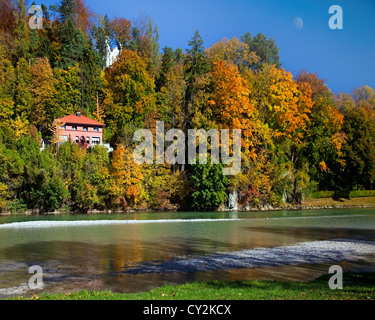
(125, 178)
(3, 196)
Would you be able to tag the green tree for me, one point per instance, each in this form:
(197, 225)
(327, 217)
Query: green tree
(359, 150)
(73, 46)
(265, 49)
(22, 31)
(167, 61)
(11, 170)
(43, 90)
(103, 35)
(23, 97)
(67, 94)
(196, 62)
(68, 11)
(324, 138)
(210, 186)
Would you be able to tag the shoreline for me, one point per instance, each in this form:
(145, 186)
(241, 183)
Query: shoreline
(310, 204)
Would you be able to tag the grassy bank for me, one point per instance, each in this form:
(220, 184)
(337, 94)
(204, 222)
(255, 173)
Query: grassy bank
(342, 203)
(355, 287)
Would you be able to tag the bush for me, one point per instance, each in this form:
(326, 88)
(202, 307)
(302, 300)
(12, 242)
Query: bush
(362, 193)
(322, 194)
(17, 206)
(343, 193)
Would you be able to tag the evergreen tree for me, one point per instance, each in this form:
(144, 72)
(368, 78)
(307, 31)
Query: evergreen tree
(103, 36)
(265, 49)
(167, 61)
(68, 11)
(196, 61)
(21, 32)
(73, 45)
(210, 186)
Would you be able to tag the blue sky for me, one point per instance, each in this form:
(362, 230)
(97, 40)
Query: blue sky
(345, 58)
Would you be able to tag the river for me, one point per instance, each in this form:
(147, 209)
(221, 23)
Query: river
(99, 251)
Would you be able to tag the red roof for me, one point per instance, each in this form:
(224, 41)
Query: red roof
(74, 119)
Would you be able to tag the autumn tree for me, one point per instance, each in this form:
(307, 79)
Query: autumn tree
(172, 96)
(122, 32)
(234, 51)
(67, 93)
(43, 90)
(23, 96)
(128, 91)
(285, 107)
(324, 133)
(8, 23)
(232, 109)
(125, 178)
(230, 103)
(84, 17)
(7, 82)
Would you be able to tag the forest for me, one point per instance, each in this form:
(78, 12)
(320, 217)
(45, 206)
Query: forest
(297, 135)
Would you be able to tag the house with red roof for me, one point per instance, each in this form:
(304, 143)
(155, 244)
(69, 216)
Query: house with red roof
(81, 130)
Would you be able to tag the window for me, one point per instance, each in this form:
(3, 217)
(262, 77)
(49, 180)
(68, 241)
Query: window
(96, 129)
(77, 140)
(74, 128)
(95, 141)
(64, 138)
(85, 129)
(63, 127)
(88, 140)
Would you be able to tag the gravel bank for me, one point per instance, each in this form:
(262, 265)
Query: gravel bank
(317, 252)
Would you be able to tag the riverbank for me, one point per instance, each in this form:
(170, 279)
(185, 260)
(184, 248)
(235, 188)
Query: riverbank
(356, 286)
(309, 204)
(329, 203)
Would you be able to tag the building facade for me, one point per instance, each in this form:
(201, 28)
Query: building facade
(81, 130)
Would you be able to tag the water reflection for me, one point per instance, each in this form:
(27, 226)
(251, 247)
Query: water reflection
(95, 257)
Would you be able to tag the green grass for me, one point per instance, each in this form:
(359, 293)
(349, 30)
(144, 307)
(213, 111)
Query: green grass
(352, 194)
(343, 203)
(355, 287)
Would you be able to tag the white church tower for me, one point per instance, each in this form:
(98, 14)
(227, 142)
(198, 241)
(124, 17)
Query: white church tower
(112, 55)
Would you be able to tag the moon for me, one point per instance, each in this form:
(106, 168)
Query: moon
(298, 23)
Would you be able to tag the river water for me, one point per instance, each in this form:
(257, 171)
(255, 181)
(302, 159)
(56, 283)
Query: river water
(95, 251)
